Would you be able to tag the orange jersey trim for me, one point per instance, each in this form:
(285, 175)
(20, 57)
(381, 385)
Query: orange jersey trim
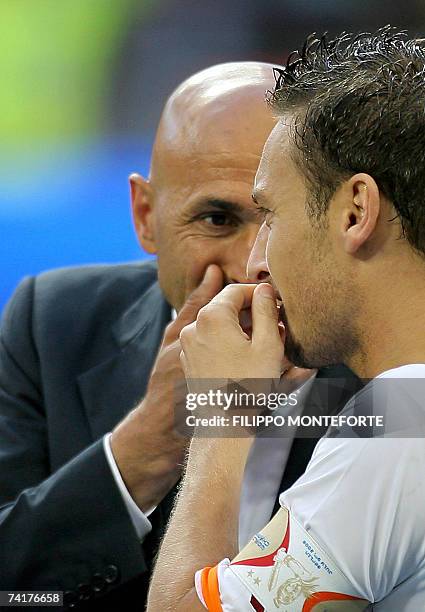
(210, 589)
(319, 597)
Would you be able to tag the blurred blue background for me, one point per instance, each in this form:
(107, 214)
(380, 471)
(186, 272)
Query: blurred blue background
(82, 86)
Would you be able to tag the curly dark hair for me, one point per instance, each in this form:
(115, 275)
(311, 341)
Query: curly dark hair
(359, 106)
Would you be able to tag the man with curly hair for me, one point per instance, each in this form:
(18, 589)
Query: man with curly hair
(342, 186)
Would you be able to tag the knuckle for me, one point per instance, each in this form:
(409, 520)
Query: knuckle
(193, 305)
(203, 316)
(229, 290)
(237, 287)
(191, 302)
(186, 333)
(208, 314)
(197, 298)
(183, 337)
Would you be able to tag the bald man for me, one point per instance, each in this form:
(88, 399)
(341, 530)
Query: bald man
(81, 509)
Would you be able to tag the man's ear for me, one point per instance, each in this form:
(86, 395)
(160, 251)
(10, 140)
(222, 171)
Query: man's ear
(360, 215)
(142, 207)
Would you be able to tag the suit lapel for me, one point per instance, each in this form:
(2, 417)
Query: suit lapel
(113, 387)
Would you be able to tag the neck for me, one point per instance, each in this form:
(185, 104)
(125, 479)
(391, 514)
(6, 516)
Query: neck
(391, 327)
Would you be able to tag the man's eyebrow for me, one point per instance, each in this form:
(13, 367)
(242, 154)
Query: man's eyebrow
(218, 204)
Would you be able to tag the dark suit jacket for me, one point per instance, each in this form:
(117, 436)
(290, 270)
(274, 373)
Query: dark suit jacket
(76, 350)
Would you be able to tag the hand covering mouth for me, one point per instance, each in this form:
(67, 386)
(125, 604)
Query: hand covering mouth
(245, 316)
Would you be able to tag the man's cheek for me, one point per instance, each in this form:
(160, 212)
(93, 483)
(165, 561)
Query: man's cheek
(275, 260)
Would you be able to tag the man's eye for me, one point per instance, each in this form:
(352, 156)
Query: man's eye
(218, 219)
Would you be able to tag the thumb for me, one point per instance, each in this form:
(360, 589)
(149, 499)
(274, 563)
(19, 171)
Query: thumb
(265, 315)
(211, 284)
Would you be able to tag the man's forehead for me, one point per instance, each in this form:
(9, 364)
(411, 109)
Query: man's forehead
(274, 163)
(267, 157)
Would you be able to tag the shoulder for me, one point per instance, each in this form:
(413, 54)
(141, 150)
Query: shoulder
(125, 280)
(376, 470)
(70, 296)
(363, 499)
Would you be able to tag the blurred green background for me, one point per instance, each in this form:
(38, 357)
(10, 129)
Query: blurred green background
(55, 63)
(82, 86)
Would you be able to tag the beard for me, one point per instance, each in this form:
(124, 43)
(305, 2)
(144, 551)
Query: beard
(319, 319)
(294, 352)
(320, 349)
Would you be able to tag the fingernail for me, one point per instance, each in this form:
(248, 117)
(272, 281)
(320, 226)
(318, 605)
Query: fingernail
(266, 291)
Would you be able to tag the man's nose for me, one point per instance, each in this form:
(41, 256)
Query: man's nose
(256, 269)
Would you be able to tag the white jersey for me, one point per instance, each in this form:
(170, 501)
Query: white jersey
(350, 534)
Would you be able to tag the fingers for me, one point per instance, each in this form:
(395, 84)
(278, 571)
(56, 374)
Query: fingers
(224, 312)
(186, 336)
(234, 298)
(265, 316)
(210, 285)
(231, 305)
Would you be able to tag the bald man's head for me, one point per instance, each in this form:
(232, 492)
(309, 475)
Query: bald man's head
(214, 111)
(196, 208)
